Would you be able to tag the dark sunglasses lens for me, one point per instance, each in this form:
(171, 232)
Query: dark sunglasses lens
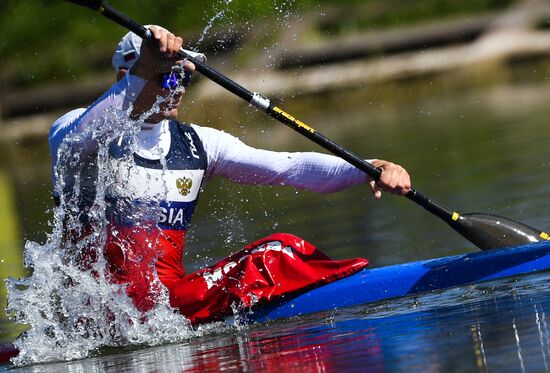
(170, 80)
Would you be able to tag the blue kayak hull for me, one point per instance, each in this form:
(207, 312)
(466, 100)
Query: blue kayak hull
(371, 285)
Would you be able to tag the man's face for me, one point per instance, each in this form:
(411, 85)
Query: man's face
(168, 109)
(173, 93)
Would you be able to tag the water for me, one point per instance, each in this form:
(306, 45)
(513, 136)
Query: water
(500, 327)
(219, 15)
(479, 151)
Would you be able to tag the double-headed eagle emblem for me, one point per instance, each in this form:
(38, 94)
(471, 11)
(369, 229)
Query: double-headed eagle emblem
(184, 185)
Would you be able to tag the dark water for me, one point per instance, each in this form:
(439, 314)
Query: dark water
(481, 150)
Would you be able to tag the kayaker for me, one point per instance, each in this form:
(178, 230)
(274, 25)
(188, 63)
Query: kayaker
(150, 180)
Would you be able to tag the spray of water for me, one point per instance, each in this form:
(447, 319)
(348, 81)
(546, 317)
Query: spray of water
(72, 308)
(219, 15)
(69, 303)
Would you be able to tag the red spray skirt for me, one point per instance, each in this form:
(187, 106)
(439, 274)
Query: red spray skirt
(265, 270)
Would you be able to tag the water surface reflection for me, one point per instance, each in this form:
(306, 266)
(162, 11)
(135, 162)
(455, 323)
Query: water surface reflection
(499, 326)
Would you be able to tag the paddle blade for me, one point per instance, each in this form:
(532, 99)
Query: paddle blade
(488, 231)
(93, 4)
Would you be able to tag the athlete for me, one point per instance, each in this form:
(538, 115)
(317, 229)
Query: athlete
(129, 148)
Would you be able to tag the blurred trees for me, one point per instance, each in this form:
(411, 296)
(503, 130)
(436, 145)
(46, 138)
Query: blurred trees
(50, 40)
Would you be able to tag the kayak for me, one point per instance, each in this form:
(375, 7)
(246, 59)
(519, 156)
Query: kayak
(372, 285)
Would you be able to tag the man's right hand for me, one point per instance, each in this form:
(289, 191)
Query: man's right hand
(158, 54)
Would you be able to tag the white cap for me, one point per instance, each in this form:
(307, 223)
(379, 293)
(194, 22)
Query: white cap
(127, 52)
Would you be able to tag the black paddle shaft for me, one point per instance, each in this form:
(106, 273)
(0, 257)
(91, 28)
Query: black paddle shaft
(265, 105)
(499, 232)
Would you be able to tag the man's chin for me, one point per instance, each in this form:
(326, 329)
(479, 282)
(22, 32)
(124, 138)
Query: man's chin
(169, 113)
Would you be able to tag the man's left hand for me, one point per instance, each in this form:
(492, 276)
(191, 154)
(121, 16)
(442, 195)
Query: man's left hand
(394, 179)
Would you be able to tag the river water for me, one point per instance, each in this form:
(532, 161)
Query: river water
(477, 149)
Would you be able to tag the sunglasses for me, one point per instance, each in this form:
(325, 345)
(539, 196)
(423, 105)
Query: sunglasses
(174, 78)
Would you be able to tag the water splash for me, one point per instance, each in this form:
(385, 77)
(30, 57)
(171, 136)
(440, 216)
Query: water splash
(219, 14)
(71, 306)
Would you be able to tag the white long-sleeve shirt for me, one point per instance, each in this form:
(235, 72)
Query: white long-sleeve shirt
(227, 156)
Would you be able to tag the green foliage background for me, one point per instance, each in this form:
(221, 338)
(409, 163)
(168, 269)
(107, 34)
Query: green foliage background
(48, 40)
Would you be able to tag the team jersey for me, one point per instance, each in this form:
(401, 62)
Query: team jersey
(154, 178)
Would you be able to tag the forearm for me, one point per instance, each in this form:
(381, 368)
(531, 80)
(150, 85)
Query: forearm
(231, 158)
(119, 98)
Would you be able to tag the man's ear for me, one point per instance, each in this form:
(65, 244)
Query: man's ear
(121, 73)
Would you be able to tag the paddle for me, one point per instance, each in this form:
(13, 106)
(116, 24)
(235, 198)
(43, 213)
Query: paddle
(484, 230)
